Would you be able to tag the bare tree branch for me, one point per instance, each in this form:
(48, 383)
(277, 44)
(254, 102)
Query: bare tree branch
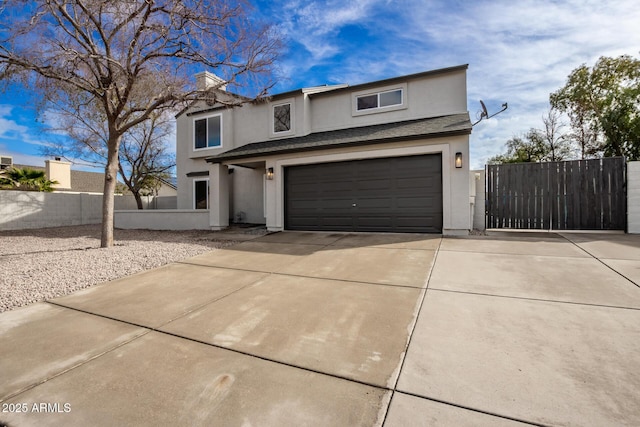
(109, 50)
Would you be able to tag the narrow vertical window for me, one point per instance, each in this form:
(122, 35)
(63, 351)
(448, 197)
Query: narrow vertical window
(201, 133)
(201, 194)
(282, 118)
(214, 136)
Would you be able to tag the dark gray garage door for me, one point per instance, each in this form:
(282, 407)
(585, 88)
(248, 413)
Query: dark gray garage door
(399, 194)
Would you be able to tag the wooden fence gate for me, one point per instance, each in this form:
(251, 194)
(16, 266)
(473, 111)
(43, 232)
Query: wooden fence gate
(573, 195)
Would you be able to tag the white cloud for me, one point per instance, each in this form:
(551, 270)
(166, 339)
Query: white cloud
(518, 52)
(11, 131)
(8, 127)
(313, 24)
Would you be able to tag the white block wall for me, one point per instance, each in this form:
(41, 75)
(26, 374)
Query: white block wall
(20, 210)
(29, 209)
(163, 219)
(633, 197)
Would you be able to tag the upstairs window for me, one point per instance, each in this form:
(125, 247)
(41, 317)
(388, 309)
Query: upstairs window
(379, 100)
(282, 118)
(208, 132)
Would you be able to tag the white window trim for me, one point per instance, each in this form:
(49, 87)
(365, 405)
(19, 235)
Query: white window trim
(194, 132)
(292, 112)
(377, 91)
(193, 193)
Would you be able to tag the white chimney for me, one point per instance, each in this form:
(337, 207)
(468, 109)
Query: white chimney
(57, 170)
(206, 80)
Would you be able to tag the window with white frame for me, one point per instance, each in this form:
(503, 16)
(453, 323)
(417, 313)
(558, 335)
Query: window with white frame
(207, 132)
(201, 194)
(282, 118)
(379, 100)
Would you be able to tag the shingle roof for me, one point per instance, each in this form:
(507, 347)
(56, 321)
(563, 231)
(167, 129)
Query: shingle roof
(87, 182)
(433, 127)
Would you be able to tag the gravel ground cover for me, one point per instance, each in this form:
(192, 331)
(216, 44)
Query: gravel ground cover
(46, 263)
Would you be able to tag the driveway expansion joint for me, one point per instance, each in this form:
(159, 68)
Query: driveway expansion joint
(599, 260)
(514, 254)
(468, 408)
(157, 330)
(535, 299)
(412, 329)
(275, 273)
(77, 365)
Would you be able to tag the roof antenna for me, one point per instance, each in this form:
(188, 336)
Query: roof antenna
(484, 114)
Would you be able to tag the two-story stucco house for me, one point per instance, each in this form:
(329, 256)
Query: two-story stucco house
(390, 155)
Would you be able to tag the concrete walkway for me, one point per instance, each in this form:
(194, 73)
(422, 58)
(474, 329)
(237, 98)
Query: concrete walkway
(341, 330)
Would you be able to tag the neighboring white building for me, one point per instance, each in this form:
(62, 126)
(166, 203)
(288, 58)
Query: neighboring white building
(70, 180)
(391, 155)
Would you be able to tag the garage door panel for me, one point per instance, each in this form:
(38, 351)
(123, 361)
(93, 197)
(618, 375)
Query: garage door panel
(430, 204)
(335, 204)
(390, 194)
(345, 221)
(379, 222)
(424, 203)
(335, 195)
(417, 183)
(372, 184)
(374, 203)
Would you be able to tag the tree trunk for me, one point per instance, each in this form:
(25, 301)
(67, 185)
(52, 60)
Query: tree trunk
(110, 180)
(138, 198)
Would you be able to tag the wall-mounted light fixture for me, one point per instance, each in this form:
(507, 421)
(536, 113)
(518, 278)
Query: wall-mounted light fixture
(270, 173)
(458, 160)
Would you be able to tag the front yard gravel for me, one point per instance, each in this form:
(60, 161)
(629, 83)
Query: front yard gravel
(36, 265)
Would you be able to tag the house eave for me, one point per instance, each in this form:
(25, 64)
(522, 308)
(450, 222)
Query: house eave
(224, 159)
(329, 146)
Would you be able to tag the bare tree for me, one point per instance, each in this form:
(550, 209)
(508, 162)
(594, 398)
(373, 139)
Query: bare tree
(526, 148)
(557, 144)
(143, 157)
(144, 160)
(106, 51)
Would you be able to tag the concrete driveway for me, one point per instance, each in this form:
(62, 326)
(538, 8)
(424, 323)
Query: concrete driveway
(340, 330)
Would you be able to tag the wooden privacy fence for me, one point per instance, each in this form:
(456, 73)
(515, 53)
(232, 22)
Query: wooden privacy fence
(573, 195)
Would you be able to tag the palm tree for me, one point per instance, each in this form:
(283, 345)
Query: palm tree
(26, 179)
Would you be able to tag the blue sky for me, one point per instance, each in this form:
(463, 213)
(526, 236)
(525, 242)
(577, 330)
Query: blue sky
(518, 52)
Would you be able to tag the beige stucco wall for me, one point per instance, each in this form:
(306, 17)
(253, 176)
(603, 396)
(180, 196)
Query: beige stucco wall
(57, 170)
(166, 191)
(248, 195)
(429, 97)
